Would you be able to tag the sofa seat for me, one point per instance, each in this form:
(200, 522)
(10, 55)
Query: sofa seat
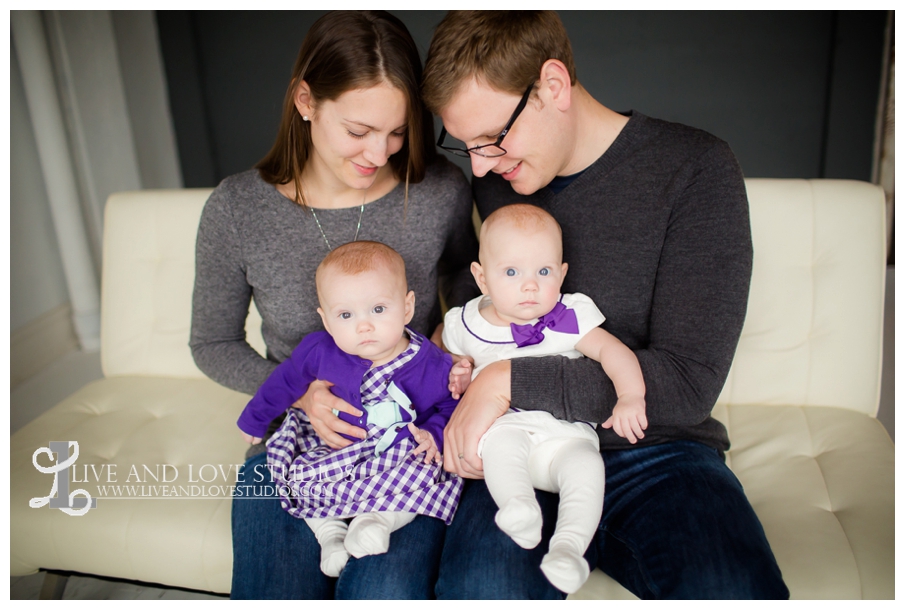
(820, 461)
(822, 481)
(143, 422)
(823, 493)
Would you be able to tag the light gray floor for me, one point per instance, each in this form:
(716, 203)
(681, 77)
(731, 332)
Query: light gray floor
(83, 587)
(44, 390)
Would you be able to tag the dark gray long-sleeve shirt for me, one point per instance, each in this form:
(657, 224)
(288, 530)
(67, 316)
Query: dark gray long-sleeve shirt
(252, 241)
(657, 233)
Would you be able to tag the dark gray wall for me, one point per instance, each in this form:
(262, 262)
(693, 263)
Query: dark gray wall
(794, 93)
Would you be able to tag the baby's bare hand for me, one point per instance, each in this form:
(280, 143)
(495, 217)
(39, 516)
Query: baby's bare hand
(460, 377)
(426, 445)
(629, 419)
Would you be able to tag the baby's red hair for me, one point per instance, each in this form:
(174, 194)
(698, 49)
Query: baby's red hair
(359, 257)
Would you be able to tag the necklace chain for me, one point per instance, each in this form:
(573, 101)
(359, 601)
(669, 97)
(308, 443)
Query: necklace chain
(361, 211)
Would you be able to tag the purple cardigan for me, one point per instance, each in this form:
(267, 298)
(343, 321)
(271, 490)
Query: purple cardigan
(424, 379)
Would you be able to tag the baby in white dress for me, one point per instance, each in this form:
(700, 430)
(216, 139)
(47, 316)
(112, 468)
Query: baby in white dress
(523, 313)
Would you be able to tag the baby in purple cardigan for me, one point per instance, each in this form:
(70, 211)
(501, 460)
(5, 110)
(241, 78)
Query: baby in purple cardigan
(396, 381)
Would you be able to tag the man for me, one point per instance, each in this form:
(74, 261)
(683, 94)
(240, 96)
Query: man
(656, 231)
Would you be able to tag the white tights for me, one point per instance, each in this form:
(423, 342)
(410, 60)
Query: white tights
(367, 534)
(515, 463)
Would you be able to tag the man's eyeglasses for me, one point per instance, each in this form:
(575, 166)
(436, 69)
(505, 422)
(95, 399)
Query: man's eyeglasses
(488, 150)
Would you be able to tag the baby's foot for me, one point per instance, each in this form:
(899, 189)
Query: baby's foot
(565, 569)
(368, 535)
(333, 553)
(333, 558)
(521, 519)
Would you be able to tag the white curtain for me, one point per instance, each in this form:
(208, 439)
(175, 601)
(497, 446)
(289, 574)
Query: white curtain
(97, 132)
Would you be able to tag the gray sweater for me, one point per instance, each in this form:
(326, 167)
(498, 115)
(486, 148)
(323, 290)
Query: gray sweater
(657, 233)
(252, 241)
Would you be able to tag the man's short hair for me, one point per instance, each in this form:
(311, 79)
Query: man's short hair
(505, 49)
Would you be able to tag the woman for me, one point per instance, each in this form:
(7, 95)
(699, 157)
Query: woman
(353, 159)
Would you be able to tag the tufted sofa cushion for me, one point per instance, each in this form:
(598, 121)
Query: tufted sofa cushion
(814, 327)
(149, 272)
(128, 421)
(821, 481)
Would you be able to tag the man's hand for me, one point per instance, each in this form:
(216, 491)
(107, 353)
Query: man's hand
(426, 445)
(487, 398)
(629, 419)
(318, 404)
(460, 376)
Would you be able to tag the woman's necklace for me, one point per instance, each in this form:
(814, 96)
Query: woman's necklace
(361, 211)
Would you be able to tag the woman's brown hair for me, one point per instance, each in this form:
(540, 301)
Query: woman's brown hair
(346, 50)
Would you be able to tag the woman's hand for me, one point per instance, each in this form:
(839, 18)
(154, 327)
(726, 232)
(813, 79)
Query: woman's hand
(251, 440)
(486, 399)
(318, 404)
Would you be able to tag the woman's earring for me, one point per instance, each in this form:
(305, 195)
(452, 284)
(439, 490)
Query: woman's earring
(304, 117)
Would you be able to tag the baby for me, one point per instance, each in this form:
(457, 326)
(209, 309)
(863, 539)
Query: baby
(396, 377)
(523, 313)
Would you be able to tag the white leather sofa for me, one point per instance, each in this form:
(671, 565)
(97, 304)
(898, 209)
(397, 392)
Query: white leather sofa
(800, 406)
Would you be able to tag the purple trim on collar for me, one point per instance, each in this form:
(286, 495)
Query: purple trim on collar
(476, 335)
(482, 339)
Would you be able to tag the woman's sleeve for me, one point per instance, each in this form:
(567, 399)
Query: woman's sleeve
(220, 303)
(457, 286)
(696, 317)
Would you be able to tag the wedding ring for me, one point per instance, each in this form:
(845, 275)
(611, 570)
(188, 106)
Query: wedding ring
(461, 455)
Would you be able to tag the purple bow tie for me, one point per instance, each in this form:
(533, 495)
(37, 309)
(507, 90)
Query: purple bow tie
(561, 319)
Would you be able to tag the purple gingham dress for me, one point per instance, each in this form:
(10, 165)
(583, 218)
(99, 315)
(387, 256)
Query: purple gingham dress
(316, 481)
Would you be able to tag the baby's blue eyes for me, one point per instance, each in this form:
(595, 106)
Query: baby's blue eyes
(378, 309)
(512, 272)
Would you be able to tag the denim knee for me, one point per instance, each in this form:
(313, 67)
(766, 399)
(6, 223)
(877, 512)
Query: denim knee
(481, 562)
(677, 524)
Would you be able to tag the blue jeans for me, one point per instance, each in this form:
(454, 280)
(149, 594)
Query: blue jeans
(676, 524)
(276, 556)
